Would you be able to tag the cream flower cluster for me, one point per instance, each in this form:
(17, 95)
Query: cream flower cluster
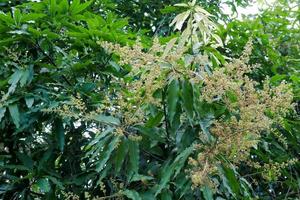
(253, 111)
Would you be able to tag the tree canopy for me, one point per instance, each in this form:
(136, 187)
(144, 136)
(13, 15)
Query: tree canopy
(115, 99)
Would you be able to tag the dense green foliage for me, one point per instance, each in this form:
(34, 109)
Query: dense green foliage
(156, 15)
(62, 135)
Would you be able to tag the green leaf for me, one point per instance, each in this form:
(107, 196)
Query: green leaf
(120, 155)
(98, 146)
(154, 121)
(139, 177)
(181, 158)
(230, 181)
(132, 194)
(172, 99)
(205, 125)
(106, 119)
(105, 155)
(207, 193)
(53, 7)
(56, 182)
(44, 185)
(15, 167)
(168, 9)
(59, 134)
(14, 113)
(99, 137)
(166, 195)
(169, 46)
(6, 18)
(42, 163)
(153, 133)
(76, 7)
(2, 112)
(26, 76)
(231, 95)
(147, 195)
(277, 78)
(168, 170)
(17, 16)
(63, 6)
(174, 168)
(88, 87)
(32, 17)
(26, 160)
(134, 156)
(187, 98)
(29, 101)
(14, 79)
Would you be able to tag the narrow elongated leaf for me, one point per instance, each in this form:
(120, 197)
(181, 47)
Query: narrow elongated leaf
(95, 150)
(6, 18)
(173, 168)
(106, 119)
(105, 155)
(53, 7)
(60, 134)
(134, 156)
(180, 19)
(181, 5)
(187, 97)
(205, 125)
(168, 170)
(202, 10)
(120, 155)
(14, 79)
(172, 99)
(45, 158)
(181, 158)
(15, 167)
(169, 46)
(26, 76)
(63, 6)
(139, 177)
(99, 137)
(154, 121)
(14, 113)
(76, 7)
(17, 16)
(230, 181)
(32, 17)
(2, 112)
